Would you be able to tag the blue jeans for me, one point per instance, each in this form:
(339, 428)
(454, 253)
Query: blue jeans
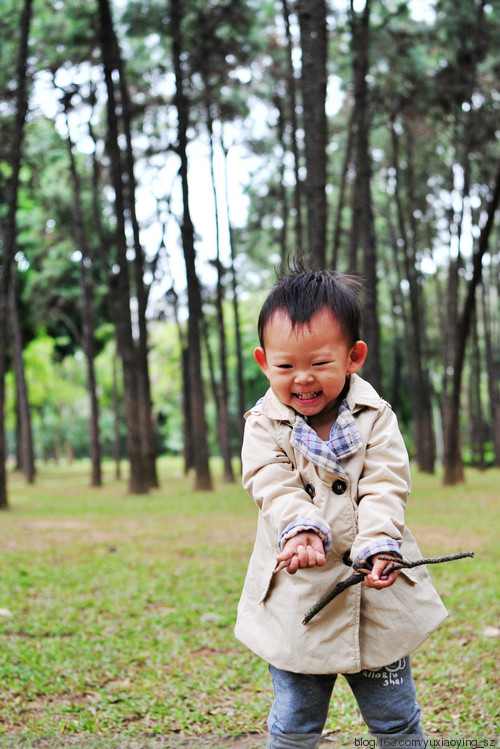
(386, 698)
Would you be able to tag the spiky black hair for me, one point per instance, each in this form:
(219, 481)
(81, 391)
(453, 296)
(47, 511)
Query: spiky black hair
(302, 292)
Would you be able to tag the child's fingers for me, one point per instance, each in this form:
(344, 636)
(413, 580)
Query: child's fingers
(281, 566)
(380, 581)
(304, 556)
(285, 554)
(320, 558)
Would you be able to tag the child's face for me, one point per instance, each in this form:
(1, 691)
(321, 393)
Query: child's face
(307, 366)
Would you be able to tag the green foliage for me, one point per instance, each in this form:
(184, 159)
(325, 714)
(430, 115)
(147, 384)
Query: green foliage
(118, 611)
(46, 378)
(10, 20)
(432, 82)
(63, 33)
(58, 396)
(166, 384)
(59, 401)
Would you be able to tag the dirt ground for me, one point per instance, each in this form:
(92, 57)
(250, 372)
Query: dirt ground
(244, 741)
(240, 741)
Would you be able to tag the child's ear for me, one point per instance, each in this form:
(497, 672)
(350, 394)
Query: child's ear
(357, 356)
(260, 357)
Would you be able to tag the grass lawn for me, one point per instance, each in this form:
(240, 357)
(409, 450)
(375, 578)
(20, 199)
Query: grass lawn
(117, 611)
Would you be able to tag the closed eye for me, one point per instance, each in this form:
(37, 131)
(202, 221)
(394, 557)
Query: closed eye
(320, 363)
(284, 366)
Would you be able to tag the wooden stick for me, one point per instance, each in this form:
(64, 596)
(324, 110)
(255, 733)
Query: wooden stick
(360, 576)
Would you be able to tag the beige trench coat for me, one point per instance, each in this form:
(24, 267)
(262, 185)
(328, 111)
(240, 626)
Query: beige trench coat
(363, 628)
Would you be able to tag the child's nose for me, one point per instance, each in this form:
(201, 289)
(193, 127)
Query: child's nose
(304, 375)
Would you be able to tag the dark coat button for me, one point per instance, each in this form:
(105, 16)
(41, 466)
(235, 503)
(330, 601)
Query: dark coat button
(310, 490)
(339, 486)
(346, 558)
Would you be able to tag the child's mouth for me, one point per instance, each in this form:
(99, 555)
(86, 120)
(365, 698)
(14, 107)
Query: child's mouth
(308, 396)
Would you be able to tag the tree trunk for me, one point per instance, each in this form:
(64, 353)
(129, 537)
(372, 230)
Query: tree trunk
(224, 413)
(87, 313)
(450, 401)
(493, 376)
(283, 202)
(313, 40)
(8, 238)
(453, 469)
(186, 387)
(240, 378)
(420, 394)
(120, 282)
(146, 423)
(222, 396)
(338, 229)
(25, 432)
(142, 292)
(292, 98)
(187, 427)
(475, 411)
(363, 229)
(116, 423)
(458, 326)
(451, 344)
(198, 425)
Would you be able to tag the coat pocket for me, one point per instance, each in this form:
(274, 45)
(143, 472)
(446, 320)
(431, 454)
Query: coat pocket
(267, 577)
(410, 575)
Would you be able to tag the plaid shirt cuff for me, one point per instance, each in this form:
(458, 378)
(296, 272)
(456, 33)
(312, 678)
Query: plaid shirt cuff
(303, 524)
(387, 546)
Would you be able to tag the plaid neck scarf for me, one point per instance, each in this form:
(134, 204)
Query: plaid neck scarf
(344, 441)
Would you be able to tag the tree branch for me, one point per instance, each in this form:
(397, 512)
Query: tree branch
(360, 576)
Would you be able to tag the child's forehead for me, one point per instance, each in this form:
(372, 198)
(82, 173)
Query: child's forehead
(281, 326)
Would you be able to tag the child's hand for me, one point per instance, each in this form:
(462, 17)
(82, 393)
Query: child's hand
(380, 575)
(303, 550)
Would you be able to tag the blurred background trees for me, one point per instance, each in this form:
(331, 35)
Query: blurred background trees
(159, 159)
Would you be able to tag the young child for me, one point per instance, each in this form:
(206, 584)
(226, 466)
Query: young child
(325, 462)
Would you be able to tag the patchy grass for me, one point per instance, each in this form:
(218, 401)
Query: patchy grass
(117, 611)
(457, 668)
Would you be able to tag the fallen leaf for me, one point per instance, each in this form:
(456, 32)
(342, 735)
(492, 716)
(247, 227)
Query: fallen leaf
(211, 616)
(490, 631)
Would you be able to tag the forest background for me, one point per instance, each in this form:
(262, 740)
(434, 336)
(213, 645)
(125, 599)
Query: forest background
(158, 159)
